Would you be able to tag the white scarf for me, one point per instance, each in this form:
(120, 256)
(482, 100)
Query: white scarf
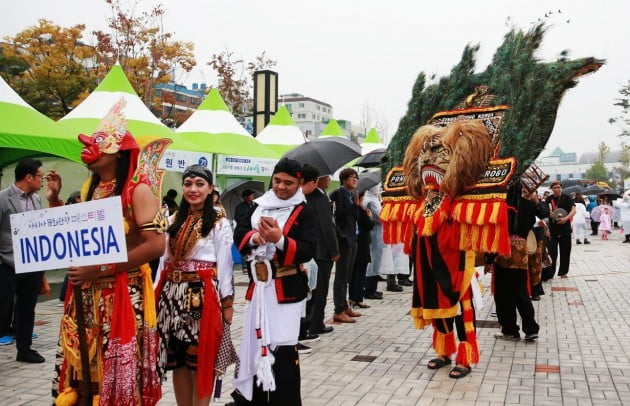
(270, 205)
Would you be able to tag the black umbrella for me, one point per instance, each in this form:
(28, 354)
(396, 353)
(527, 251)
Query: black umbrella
(368, 179)
(609, 194)
(326, 154)
(371, 159)
(595, 189)
(232, 195)
(574, 189)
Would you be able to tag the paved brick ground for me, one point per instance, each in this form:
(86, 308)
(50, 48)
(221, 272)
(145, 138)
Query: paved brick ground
(581, 357)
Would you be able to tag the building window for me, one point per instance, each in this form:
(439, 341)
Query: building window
(300, 104)
(180, 97)
(301, 115)
(317, 107)
(158, 92)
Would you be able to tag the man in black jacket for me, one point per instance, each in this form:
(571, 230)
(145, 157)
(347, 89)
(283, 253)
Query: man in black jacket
(243, 208)
(327, 250)
(560, 230)
(346, 212)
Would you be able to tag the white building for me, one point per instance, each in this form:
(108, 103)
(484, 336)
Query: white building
(560, 165)
(309, 114)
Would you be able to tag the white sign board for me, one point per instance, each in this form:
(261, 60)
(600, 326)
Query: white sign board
(248, 166)
(175, 160)
(89, 233)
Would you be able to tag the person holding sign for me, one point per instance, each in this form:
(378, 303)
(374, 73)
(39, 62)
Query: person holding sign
(195, 291)
(18, 293)
(115, 302)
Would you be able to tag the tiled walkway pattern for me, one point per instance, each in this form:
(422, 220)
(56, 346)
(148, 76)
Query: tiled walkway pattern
(581, 358)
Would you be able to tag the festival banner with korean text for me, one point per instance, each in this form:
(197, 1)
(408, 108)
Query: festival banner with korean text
(245, 166)
(81, 234)
(175, 160)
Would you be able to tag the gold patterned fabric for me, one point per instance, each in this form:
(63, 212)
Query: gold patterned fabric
(186, 237)
(518, 259)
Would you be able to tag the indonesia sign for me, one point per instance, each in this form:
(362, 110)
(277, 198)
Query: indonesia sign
(89, 233)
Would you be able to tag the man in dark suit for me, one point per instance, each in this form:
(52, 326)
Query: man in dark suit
(327, 250)
(243, 208)
(346, 212)
(18, 293)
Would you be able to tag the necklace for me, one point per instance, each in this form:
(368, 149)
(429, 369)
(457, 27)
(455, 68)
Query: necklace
(104, 189)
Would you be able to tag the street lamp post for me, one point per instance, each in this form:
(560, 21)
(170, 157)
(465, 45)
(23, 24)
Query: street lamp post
(265, 98)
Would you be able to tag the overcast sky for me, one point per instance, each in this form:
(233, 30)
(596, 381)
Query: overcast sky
(350, 53)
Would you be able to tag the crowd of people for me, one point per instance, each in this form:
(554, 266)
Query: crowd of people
(290, 239)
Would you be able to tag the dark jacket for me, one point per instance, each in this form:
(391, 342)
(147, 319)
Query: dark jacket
(327, 245)
(346, 215)
(364, 238)
(241, 212)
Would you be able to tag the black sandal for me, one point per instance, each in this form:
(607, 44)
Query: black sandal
(459, 372)
(437, 363)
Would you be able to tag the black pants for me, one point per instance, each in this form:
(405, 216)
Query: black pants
(371, 284)
(319, 296)
(510, 295)
(18, 297)
(563, 243)
(357, 282)
(345, 265)
(286, 370)
(594, 227)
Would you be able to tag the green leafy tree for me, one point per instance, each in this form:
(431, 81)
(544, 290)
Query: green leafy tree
(48, 65)
(147, 52)
(54, 68)
(597, 172)
(623, 119)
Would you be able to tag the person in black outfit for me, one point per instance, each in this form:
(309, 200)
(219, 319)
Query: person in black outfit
(244, 207)
(511, 291)
(346, 213)
(169, 201)
(362, 259)
(560, 231)
(326, 251)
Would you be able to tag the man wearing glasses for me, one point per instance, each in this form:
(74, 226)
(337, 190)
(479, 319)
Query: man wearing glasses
(18, 293)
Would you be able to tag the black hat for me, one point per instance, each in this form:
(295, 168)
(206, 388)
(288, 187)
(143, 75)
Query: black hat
(290, 167)
(247, 192)
(198, 171)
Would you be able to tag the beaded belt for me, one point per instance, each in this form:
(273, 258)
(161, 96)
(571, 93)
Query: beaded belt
(107, 282)
(177, 275)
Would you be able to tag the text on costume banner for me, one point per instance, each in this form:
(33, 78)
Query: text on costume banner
(175, 160)
(238, 165)
(81, 234)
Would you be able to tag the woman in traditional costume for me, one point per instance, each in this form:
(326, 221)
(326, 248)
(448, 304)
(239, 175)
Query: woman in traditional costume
(195, 291)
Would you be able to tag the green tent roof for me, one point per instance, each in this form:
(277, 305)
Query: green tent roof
(212, 128)
(333, 130)
(372, 137)
(140, 120)
(282, 117)
(25, 132)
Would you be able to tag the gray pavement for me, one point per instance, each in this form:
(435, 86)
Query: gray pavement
(581, 358)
